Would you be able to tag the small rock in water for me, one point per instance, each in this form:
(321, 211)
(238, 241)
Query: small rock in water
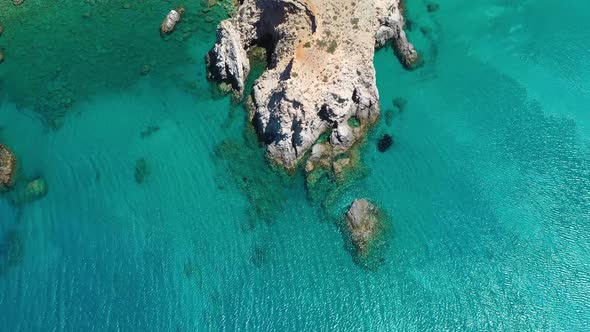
(1, 56)
(18, 2)
(171, 20)
(7, 168)
(141, 170)
(385, 143)
(362, 220)
(1, 29)
(145, 70)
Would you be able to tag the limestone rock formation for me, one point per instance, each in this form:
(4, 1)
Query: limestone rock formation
(320, 72)
(362, 221)
(7, 168)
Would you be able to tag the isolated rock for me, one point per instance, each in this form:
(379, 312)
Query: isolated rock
(7, 168)
(171, 20)
(320, 72)
(362, 221)
(18, 2)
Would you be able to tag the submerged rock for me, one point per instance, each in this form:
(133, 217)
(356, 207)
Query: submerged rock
(432, 7)
(400, 103)
(34, 190)
(149, 131)
(7, 168)
(171, 20)
(1, 56)
(145, 69)
(141, 170)
(385, 143)
(320, 72)
(362, 222)
(18, 2)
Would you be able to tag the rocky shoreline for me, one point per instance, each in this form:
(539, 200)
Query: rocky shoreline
(320, 75)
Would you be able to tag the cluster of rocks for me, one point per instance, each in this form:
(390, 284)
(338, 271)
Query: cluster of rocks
(25, 192)
(318, 95)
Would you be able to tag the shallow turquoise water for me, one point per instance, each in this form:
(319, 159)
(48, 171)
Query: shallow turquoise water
(487, 185)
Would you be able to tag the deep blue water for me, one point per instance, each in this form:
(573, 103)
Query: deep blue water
(487, 185)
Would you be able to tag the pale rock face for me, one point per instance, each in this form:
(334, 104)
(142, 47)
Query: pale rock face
(231, 63)
(170, 22)
(362, 221)
(320, 72)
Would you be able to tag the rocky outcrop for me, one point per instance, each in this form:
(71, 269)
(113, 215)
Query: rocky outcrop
(362, 222)
(7, 168)
(320, 70)
(391, 27)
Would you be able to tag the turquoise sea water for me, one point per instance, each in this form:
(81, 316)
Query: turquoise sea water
(487, 184)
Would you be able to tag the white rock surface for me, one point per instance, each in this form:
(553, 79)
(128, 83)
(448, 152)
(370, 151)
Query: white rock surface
(170, 22)
(320, 72)
(362, 221)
